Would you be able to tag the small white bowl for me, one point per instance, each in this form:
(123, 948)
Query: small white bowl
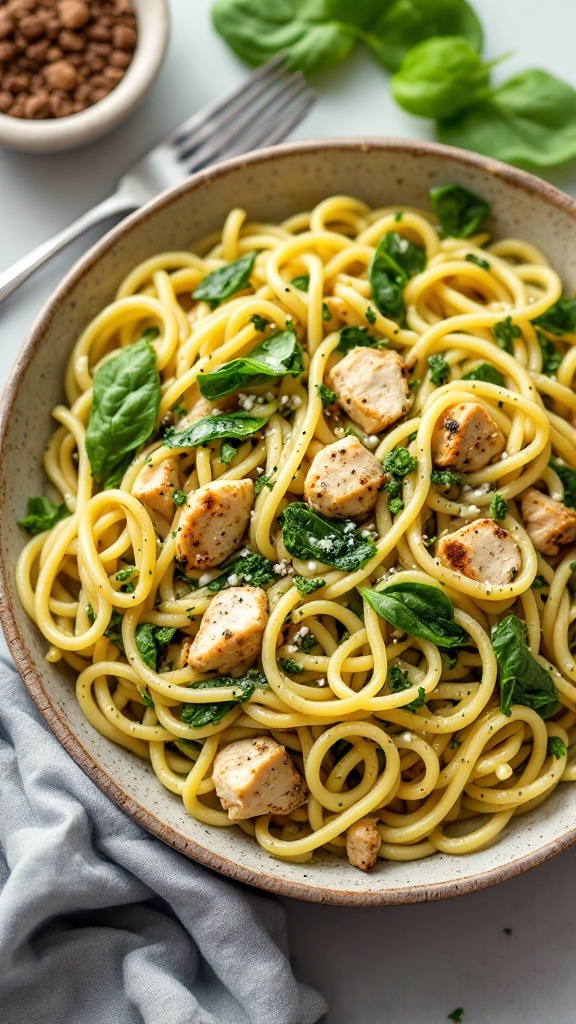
(56, 134)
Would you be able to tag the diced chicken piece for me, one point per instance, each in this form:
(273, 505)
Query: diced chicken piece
(549, 524)
(344, 479)
(257, 776)
(155, 486)
(230, 631)
(213, 522)
(483, 551)
(466, 437)
(372, 387)
(363, 843)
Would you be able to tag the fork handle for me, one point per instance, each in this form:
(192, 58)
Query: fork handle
(15, 275)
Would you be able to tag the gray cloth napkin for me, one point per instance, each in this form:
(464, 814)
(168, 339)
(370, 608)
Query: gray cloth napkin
(101, 923)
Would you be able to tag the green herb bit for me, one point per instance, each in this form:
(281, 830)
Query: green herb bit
(445, 477)
(113, 631)
(395, 506)
(568, 480)
(302, 282)
(221, 284)
(260, 322)
(560, 318)
(326, 314)
(487, 373)
(227, 452)
(478, 260)
(456, 1015)
(42, 514)
(505, 332)
(557, 747)
(180, 498)
(439, 369)
(308, 643)
(398, 681)
(262, 481)
(551, 357)
(308, 585)
(357, 337)
(498, 507)
(400, 462)
(145, 694)
(91, 614)
(461, 213)
(150, 334)
(539, 581)
(291, 667)
(254, 569)
(371, 315)
(327, 396)
(507, 931)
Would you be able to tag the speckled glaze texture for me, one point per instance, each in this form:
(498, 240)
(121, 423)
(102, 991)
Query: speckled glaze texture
(271, 185)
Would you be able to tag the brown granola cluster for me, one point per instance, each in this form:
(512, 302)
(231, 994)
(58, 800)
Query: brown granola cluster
(58, 57)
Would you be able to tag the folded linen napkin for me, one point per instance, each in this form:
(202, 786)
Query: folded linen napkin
(101, 923)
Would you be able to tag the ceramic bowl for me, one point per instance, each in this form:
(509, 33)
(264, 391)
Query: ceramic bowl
(271, 185)
(56, 134)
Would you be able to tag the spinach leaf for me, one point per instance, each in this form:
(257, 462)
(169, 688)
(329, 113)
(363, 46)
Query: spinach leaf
(221, 284)
(473, 258)
(357, 337)
(304, 31)
(227, 452)
(505, 332)
(538, 582)
(309, 535)
(326, 395)
(404, 23)
(439, 369)
(560, 319)
(551, 357)
(568, 478)
(418, 609)
(277, 355)
(440, 77)
(253, 569)
(302, 283)
(398, 681)
(400, 462)
(395, 261)
(529, 121)
(308, 643)
(238, 425)
(498, 507)
(262, 481)
(151, 641)
(199, 715)
(556, 746)
(260, 322)
(371, 315)
(461, 213)
(308, 585)
(125, 404)
(42, 514)
(522, 678)
(113, 631)
(485, 372)
(291, 667)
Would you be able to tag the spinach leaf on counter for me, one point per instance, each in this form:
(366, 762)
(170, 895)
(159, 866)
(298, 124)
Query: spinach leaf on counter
(400, 25)
(277, 355)
(395, 261)
(221, 284)
(238, 425)
(253, 569)
(560, 318)
(42, 514)
(522, 678)
(151, 641)
(440, 77)
(199, 715)
(461, 213)
(419, 609)
(125, 403)
(309, 535)
(487, 373)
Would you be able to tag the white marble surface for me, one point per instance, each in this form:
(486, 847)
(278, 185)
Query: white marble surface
(404, 965)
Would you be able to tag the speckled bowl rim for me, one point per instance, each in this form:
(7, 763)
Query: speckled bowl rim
(32, 678)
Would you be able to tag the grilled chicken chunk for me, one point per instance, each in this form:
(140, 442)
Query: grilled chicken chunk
(155, 486)
(466, 438)
(213, 522)
(231, 630)
(344, 479)
(372, 387)
(257, 776)
(483, 551)
(549, 524)
(363, 843)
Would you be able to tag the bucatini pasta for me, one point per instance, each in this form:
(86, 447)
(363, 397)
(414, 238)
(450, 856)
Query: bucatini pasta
(314, 552)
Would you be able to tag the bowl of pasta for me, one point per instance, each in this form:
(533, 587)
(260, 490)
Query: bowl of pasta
(290, 571)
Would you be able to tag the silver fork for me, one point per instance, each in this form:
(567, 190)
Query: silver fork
(261, 112)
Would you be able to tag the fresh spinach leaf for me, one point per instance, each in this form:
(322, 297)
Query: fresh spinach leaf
(530, 121)
(357, 337)
(505, 332)
(221, 284)
(309, 535)
(277, 355)
(557, 747)
(291, 667)
(151, 641)
(560, 319)
(400, 25)
(308, 585)
(487, 373)
(568, 479)
(326, 314)
(551, 357)
(262, 481)
(125, 403)
(522, 678)
(42, 514)
(227, 452)
(440, 77)
(538, 582)
(113, 631)
(199, 715)
(308, 643)
(254, 569)
(260, 322)
(145, 694)
(439, 369)
(395, 261)
(418, 609)
(302, 283)
(461, 213)
(456, 1015)
(326, 395)
(398, 681)
(239, 425)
